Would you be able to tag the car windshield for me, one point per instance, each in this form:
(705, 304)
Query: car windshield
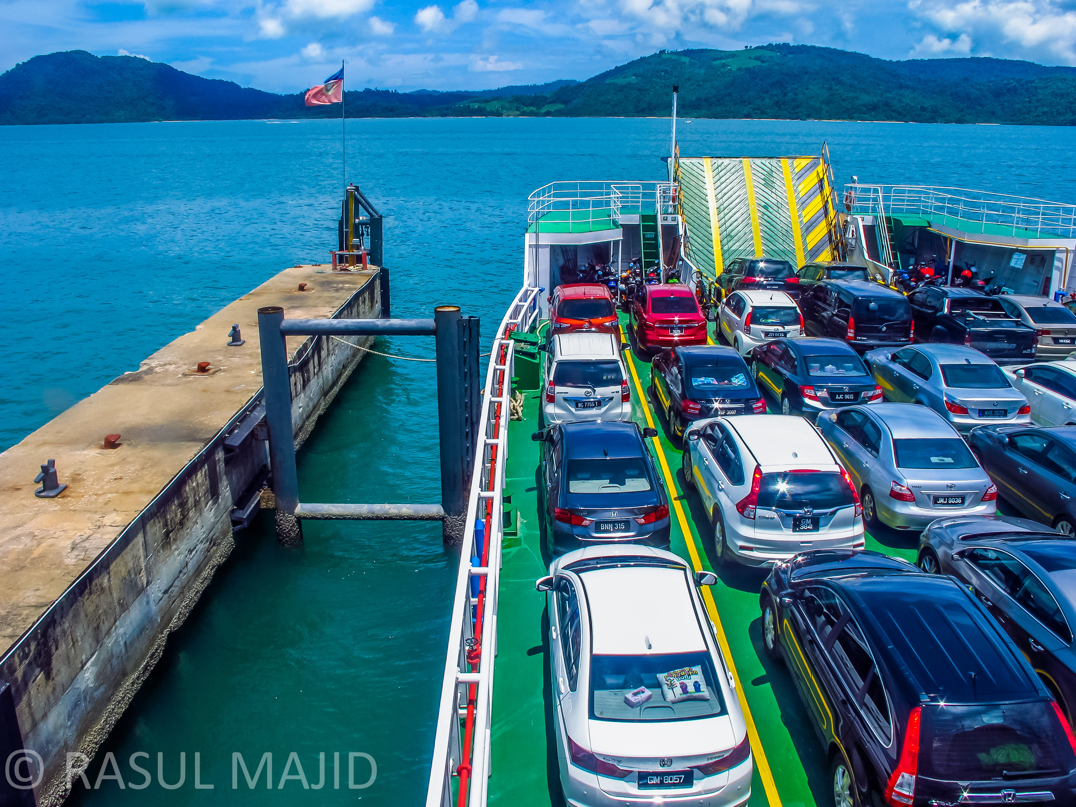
(784, 315)
(794, 490)
(993, 742)
(878, 311)
(778, 270)
(974, 376)
(847, 273)
(835, 365)
(673, 305)
(718, 378)
(1051, 315)
(946, 453)
(587, 374)
(608, 475)
(676, 686)
(596, 308)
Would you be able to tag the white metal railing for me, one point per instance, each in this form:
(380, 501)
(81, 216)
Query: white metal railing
(586, 202)
(1010, 213)
(468, 676)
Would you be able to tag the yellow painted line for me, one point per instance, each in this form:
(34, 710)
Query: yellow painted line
(761, 762)
(755, 231)
(793, 212)
(715, 230)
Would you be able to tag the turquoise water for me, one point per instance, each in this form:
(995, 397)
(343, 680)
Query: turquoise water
(117, 238)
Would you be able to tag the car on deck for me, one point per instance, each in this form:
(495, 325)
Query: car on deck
(817, 271)
(1050, 389)
(864, 314)
(1025, 575)
(771, 487)
(917, 695)
(967, 317)
(665, 316)
(960, 383)
(582, 307)
(585, 379)
(1056, 325)
(598, 484)
(645, 710)
(746, 319)
(909, 465)
(771, 274)
(689, 383)
(809, 375)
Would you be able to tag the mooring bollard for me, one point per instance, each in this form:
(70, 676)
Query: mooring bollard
(236, 337)
(50, 482)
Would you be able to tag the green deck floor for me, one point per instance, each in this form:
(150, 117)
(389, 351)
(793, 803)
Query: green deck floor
(575, 221)
(524, 767)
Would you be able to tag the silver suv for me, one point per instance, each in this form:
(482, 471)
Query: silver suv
(585, 379)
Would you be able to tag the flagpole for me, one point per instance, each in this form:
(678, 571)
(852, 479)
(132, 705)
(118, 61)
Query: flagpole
(343, 128)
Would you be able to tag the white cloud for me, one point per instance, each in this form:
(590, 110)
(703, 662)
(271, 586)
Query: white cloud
(1040, 28)
(466, 11)
(380, 27)
(493, 64)
(122, 52)
(933, 46)
(431, 19)
(314, 52)
(270, 28)
(326, 9)
(604, 27)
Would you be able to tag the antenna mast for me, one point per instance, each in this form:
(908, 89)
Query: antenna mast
(672, 150)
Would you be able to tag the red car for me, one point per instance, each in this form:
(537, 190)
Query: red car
(667, 316)
(584, 307)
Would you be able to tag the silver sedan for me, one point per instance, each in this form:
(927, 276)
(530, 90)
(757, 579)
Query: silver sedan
(909, 465)
(961, 384)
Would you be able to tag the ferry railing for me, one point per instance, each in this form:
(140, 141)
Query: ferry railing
(587, 202)
(868, 200)
(462, 737)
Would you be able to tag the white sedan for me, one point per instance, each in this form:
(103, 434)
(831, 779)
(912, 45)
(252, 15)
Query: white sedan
(645, 709)
(1050, 389)
(747, 319)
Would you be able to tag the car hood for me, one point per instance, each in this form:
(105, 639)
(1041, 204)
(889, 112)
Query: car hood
(985, 397)
(641, 744)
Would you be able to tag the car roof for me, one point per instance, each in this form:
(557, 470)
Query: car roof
(773, 439)
(911, 421)
(1056, 558)
(671, 290)
(942, 352)
(865, 288)
(600, 438)
(584, 345)
(1031, 301)
(815, 346)
(641, 610)
(948, 647)
(828, 562)
(756, 296)
(838, 265)
(566, 290)
(696, 354)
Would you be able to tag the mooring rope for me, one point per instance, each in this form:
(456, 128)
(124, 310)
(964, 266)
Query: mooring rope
(388, 355)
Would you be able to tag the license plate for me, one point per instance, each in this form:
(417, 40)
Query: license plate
(804, 523)
(676, 331)
(588, 404)
(999, 346)
(773, 334)
(611, 526)
(661, 780)
(948, 501)
(728, 411)
(1063, 340)
(844, 396)
(993, 413)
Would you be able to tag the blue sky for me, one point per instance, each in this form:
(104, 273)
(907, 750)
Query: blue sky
(288, 45)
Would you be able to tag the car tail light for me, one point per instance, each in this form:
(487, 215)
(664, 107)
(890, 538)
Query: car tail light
(851, 328)
(1042, 332)
(739, 754)
(625, 393)
(792, 280)
(991, 494)
(967, 338)
(748, 503)
(750, 279)
(691, 407)
(588, 762)
(1065, 725)
(810, 394)
(1024, 410)
(875, 396)
(759, 406)
(550, 394)
(901, 789)
(570, 517)
(747, 323)
(648, 325)
(803, 327)
(901, 493)
(911, 331)
(657, 514)
(855, 494)
(955, 408)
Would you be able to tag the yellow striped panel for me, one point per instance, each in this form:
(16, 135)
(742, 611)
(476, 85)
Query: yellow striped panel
(755, 232)
(715, 230)
(793, 212)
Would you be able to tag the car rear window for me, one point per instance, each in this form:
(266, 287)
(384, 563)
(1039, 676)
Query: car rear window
(585, 309)
(718, 378)
(974, 376)
(783, 315)
(881, 311)
(673, 305)
(675, 686)
(946, 453)
(835, 365)
(819, 490)
(587, 374)
(778, 270)
(847, 273)
(960, 304)
(993, 741)
(609, 475)
(1050, 315)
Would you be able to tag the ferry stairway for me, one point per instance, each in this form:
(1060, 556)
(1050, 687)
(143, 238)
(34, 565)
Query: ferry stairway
(648, 228)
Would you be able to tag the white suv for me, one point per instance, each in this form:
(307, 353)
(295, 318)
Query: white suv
(749, 318)
(585, 379)
(773, 488)
(644, 707)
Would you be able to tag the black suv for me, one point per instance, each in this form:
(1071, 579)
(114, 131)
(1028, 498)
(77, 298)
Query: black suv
(756, 273)
(968, 317)
(812, 273)
(866, 315)
(916, 693)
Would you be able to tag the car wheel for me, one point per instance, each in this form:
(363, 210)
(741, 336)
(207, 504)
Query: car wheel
(787, 408)
(769, 628)
(685, 465)
(676, 426)
(870, 508)
(719, 538)
(844, 784)
(1064, 526)
(928, 561)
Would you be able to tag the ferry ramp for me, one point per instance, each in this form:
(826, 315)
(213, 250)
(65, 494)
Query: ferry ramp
(777, 207)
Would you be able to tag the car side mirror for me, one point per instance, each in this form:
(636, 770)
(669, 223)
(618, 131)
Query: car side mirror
(1020, 373)
(542, 346)
(960, 554)
(625, 346)
(544, 583)
(705, 579)
(649, 432)
(538, 437)
(692, 436)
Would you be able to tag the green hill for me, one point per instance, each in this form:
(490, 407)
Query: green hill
(772, 81)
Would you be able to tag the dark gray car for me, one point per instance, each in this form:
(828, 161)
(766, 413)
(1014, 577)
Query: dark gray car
(1026, 577)
(1035, 469)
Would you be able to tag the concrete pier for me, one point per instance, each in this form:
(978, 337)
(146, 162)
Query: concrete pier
(94, 580)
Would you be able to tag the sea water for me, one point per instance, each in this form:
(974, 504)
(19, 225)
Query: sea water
(115, 239)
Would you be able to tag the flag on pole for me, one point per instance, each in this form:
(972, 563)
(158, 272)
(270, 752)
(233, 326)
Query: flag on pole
(331, 92)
